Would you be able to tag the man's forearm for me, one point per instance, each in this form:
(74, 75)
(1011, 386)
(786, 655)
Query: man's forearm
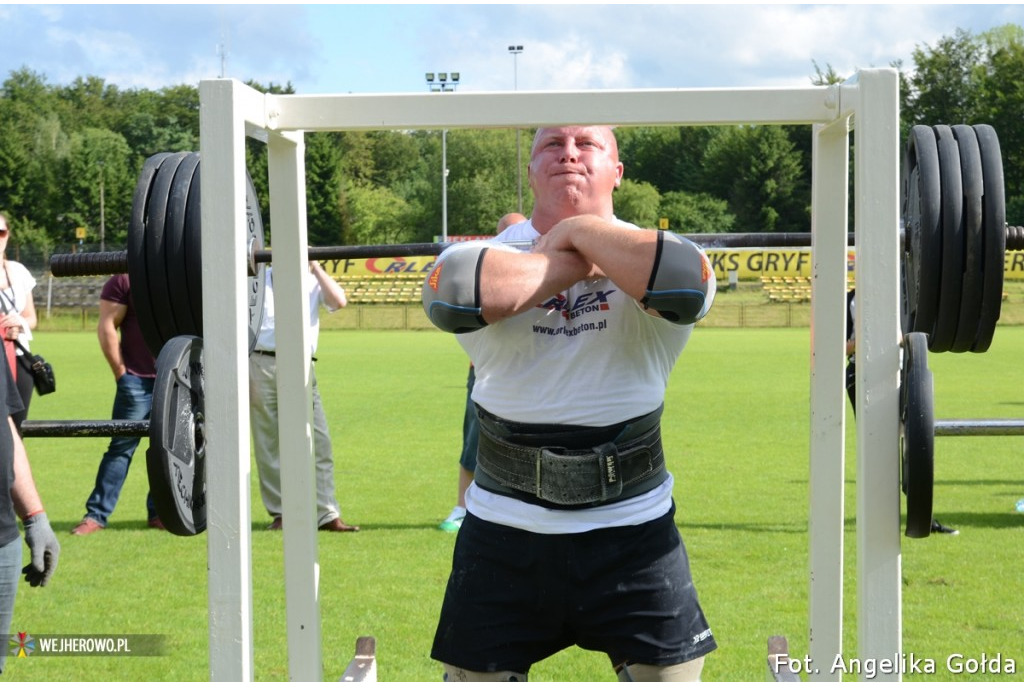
(110, 345)
(333, 294)
(624, 255)
(511, 282)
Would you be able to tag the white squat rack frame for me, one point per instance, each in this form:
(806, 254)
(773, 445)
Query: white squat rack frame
(231, 110)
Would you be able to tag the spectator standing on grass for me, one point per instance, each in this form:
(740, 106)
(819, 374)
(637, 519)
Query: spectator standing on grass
(570, 535)
(134, 369)
(263, 405)
(19, 497)
(17, 319)
(470, 426)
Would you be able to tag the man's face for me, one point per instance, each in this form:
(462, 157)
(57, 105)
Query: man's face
(575, 164)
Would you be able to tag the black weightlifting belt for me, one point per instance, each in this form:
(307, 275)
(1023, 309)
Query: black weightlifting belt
(570, 467)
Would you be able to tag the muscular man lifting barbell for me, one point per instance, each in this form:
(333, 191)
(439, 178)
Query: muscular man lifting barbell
(570, 536)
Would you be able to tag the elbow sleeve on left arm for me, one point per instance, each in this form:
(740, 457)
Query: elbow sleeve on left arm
(682, 283)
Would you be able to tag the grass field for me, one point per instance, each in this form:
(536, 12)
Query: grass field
(736, 435)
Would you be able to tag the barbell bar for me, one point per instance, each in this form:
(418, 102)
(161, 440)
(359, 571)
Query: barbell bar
(123, 428)
(973, 427)
(107, 263)
(118, 428)
(116, 262)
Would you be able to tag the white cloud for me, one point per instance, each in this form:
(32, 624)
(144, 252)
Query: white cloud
(373, 48)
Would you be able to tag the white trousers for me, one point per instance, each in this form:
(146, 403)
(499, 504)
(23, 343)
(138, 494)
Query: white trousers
(266, 441)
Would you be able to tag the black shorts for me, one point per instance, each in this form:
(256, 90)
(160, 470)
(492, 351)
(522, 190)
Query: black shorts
(515, 598)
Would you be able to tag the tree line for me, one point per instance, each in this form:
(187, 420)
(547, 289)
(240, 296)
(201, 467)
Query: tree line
(70, 156)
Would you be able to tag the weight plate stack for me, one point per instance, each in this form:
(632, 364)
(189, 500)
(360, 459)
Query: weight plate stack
(165, 251)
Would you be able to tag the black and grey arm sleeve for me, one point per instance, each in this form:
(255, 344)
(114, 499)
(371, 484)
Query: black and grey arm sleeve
(451, 292)
(682, 284)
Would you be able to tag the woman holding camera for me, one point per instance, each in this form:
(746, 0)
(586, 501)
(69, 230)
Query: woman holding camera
(17, 319)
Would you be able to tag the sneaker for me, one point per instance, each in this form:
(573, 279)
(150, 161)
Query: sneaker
(155, 522)
(939, 528)
(88, 526)
(454, 520)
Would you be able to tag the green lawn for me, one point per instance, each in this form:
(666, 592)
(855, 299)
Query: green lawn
(736, 435)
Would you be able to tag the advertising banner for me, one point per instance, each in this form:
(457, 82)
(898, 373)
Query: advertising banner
(750, 264)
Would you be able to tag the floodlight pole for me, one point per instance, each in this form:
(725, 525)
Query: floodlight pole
(515, 50)
(443, 85)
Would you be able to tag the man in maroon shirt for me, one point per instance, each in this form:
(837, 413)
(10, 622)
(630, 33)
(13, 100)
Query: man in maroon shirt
(134, 370)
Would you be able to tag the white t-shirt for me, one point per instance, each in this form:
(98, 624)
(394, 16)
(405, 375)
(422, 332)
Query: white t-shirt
(21, 283)
(265, 340)
(590, 356)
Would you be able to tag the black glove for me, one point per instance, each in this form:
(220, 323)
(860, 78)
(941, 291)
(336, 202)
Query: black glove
(45, 549)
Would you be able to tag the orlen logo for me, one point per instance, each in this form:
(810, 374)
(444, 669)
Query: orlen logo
(399, 265)
(434, 277)
(587, 302)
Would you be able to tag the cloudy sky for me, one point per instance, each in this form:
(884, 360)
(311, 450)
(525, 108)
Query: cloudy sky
(388, 48)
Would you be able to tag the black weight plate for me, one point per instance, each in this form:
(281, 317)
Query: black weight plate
(174, 248)
(255, 285)
(952, 278)
(918, 443)
(973, 191)
(922, 215)
(176, 458)
(194, 251)
(138, 276)
(994, 232)
(910, 266)
(156, 218)
(255, 240)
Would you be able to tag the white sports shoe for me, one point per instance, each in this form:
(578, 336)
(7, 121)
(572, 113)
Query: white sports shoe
(454, 520)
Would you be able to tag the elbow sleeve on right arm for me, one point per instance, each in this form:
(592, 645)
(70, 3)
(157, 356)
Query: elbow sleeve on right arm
(682, 283)
(451, 292)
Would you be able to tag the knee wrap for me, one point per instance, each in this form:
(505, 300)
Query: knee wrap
(682, 284)
(451, 293)
(453, 674)
(686, 672)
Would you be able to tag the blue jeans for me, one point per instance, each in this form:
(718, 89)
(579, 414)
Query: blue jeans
(10, 574)
(133, 402)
